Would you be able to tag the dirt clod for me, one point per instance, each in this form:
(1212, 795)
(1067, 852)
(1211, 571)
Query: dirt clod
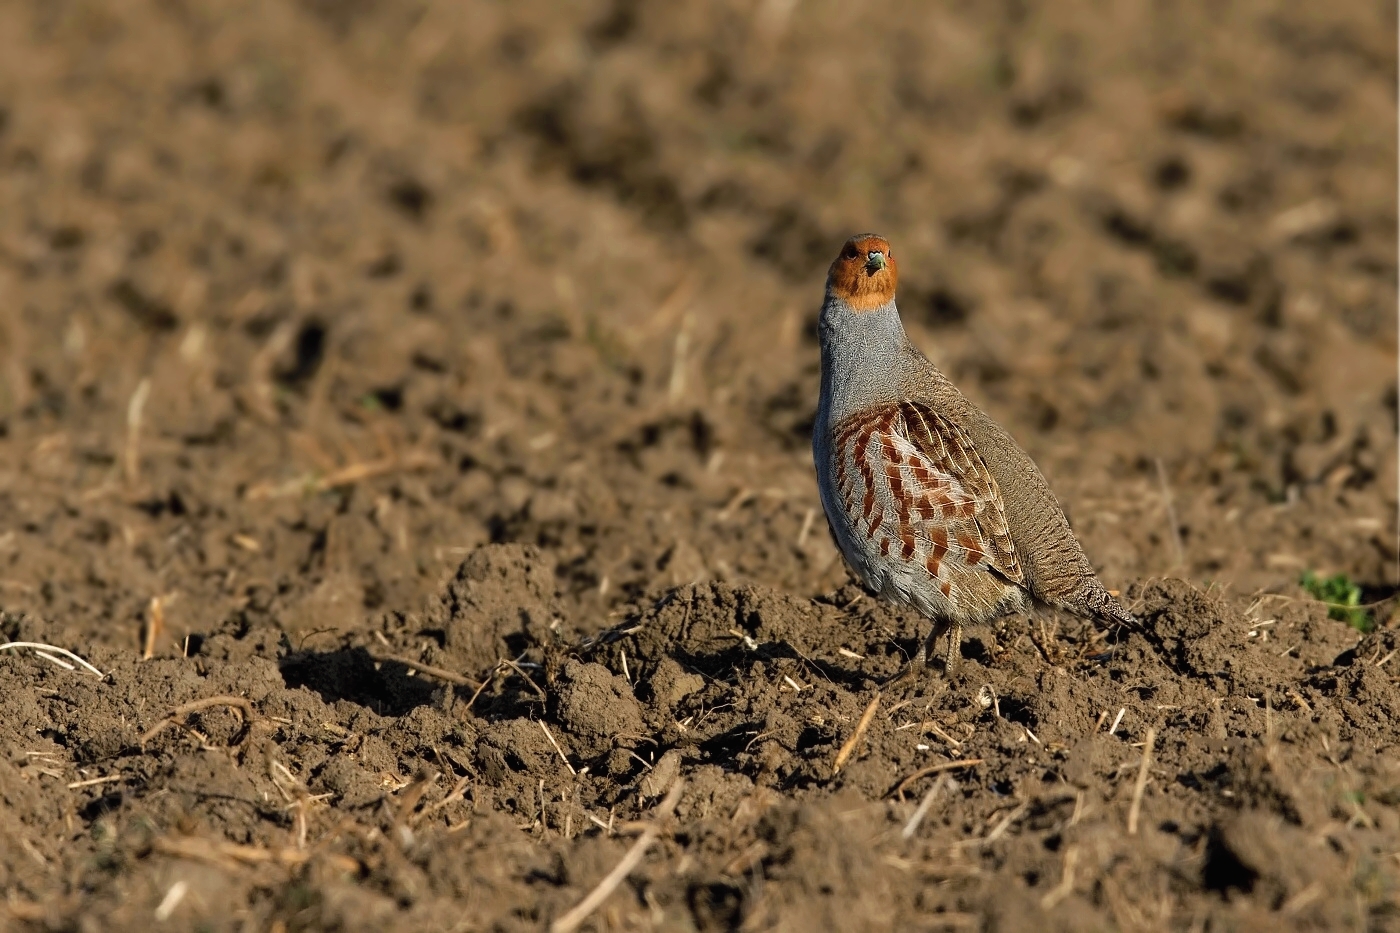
(597, 709)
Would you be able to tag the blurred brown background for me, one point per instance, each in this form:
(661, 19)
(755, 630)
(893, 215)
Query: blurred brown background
(302, 302)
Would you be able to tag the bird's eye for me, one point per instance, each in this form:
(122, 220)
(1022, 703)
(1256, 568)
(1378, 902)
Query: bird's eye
(849, 252)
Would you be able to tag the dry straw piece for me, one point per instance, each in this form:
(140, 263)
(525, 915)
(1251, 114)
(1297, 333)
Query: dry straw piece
(224, 854)
(574, 918)
(550, 735)
(1135, 810)
(135, 408)
(850, 746)
(1066, 886)
(451, 677)
(155, 625)
(42, 650)
(241, 704)
(933, 769)
(911, 827)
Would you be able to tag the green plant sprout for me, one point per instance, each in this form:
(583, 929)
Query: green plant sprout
(1343, 599)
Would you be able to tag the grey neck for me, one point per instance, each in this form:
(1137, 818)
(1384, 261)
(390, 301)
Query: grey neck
(864, 355)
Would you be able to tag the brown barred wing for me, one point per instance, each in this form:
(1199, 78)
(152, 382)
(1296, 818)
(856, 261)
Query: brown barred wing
(978, 525)
(912, 486)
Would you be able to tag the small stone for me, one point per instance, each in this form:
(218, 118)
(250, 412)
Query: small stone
(663, 774)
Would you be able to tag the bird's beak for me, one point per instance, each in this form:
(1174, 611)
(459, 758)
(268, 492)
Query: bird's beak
(874, 261)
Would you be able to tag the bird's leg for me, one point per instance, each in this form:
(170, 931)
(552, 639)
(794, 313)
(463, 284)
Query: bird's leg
(918, 662)
(954, 655)
(940, 626)
(950, 627)
(906, 674)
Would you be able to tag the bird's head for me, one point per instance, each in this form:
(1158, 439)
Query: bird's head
(864, 275)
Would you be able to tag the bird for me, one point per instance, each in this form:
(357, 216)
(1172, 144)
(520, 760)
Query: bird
(931, 503)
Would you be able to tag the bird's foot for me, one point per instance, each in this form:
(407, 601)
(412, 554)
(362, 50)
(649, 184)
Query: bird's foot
(906, 675)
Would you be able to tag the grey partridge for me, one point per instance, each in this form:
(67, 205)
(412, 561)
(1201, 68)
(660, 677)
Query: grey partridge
(932, 504)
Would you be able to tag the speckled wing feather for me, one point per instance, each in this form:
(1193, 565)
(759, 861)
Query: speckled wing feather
(916, 488)
(955, 462)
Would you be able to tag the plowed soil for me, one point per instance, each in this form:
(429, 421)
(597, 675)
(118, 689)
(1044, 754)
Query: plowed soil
(405, 407)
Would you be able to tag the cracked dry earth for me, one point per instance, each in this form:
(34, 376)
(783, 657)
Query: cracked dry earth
(426, 388)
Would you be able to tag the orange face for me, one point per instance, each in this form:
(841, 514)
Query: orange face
(865, 273)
